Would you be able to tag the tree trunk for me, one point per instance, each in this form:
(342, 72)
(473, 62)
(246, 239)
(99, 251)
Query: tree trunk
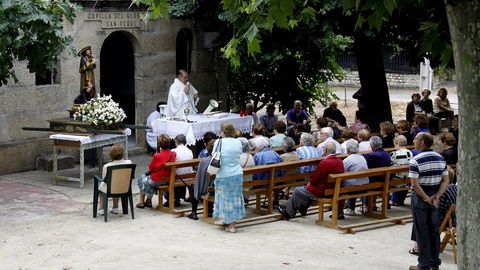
(373, 97)
(464, 23)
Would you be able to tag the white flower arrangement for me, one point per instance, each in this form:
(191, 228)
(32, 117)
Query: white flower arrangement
(100, 111)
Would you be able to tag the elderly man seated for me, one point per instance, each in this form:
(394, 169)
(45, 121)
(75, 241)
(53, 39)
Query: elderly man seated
(326, 135)
(269, 119)
(333, 114)
(302, 196)
(297, 115)
(307, 151)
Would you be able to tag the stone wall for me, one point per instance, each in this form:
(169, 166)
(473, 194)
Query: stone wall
(154, 44)
(394, 80)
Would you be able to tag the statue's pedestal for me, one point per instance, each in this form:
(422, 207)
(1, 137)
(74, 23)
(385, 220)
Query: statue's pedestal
(68, 125)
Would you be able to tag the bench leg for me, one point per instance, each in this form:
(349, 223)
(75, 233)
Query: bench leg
(258, 201)
(205, 207)
(160, 200)
(320, 212)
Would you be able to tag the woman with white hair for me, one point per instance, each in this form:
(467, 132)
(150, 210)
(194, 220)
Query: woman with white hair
(307, 151)
(353, 163)
(265, 155)
(288, 145)
(326, 135)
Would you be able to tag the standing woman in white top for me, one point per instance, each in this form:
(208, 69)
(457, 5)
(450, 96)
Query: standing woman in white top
(228, 205)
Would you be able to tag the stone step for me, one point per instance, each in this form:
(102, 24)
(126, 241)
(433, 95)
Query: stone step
(45, 162)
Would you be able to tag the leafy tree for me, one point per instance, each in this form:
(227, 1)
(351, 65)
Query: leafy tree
(463, 18)
(295, 63)
(32, 31)
(464, 23)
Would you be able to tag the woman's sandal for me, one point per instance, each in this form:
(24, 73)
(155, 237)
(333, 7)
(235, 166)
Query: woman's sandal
(413, 251)
(140, 205)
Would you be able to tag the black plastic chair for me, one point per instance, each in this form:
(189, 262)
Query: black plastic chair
(119, 185)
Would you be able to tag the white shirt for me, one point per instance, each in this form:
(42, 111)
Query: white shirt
(344, 146)
(102, 186)
(329, 139)
(364, 146)
(246, 160)
(183, 153)
(354, 163)
(150, 135)
(178, 101)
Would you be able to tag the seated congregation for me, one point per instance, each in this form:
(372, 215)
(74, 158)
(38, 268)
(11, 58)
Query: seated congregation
(283, 160)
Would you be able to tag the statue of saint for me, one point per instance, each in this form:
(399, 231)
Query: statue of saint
(87, 77)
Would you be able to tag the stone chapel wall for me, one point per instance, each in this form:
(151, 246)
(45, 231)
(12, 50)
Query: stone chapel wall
(26, 104)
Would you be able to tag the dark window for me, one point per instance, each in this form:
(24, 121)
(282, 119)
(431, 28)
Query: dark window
(184, 50)
(47, 77)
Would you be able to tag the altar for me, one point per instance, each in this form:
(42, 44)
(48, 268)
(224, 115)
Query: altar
(199, 124)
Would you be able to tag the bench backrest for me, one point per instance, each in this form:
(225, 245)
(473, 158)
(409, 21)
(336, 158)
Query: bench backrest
(387, 172)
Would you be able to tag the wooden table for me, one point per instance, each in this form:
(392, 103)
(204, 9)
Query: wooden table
(83, 143)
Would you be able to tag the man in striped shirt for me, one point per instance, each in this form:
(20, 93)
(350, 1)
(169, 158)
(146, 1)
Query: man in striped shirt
(429, 176)
(307, 151)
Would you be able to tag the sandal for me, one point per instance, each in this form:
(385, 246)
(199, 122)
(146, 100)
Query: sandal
(140, 205)
(413, 251)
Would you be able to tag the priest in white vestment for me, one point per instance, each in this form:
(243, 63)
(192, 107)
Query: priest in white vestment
(182, 95)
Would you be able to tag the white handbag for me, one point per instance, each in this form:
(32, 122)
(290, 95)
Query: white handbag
(215, 163)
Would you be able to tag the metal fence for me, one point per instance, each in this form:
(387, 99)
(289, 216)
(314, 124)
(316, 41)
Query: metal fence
(393, 63)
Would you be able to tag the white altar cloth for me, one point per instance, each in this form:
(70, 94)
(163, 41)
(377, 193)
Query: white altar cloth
(202, 124)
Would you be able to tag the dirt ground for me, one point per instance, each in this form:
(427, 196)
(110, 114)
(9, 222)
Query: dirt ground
(43, 226)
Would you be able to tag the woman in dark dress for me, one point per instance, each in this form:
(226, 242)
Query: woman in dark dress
(413, 107)
(449, 153)
(426, 103)
(387, 132)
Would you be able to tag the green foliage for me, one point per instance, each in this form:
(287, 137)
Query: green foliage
(250, 18)
(182, 9)
(294, 64)
(444, 73)
(32, 30)
(156, 8)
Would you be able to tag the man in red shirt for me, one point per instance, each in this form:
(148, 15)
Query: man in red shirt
(317, 185)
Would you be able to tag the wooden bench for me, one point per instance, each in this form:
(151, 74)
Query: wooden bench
(174, 181)
(266, 187)
(257, 187)
(370, 190)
